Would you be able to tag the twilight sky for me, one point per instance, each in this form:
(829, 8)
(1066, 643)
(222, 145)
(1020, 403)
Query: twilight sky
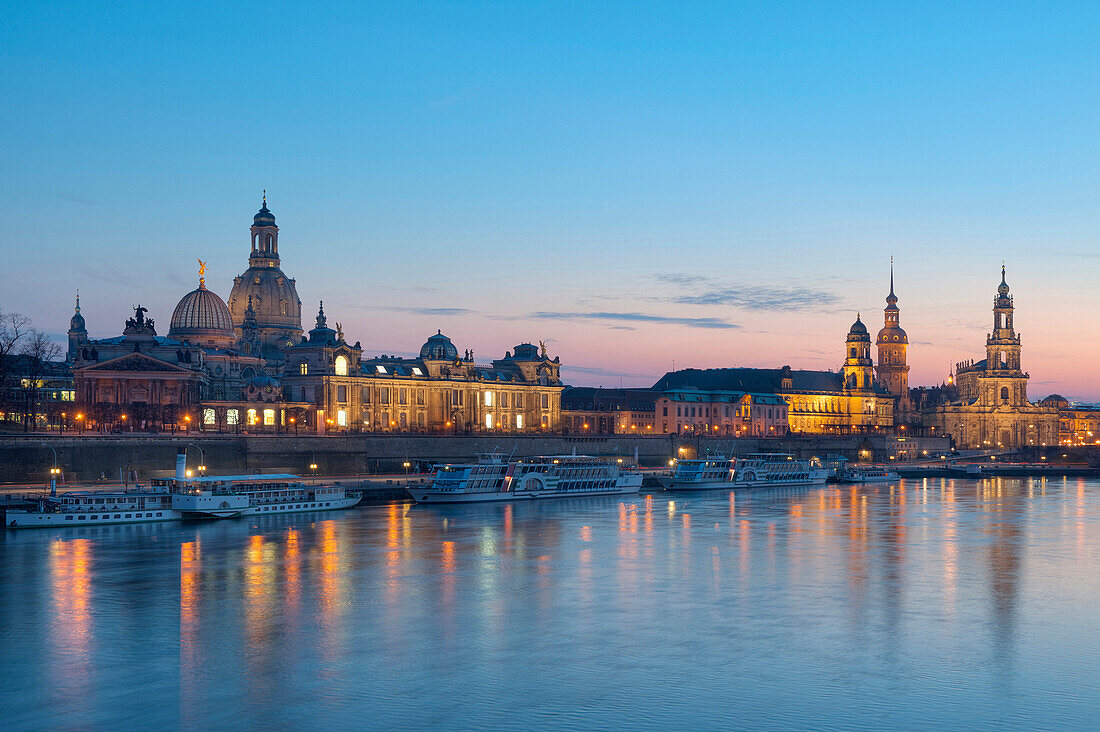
(713, 184)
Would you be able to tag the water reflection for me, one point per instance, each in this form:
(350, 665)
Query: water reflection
(709, 609)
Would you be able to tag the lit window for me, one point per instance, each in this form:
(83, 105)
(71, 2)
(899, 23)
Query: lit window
(269, 417)
(489, 421)
(380, 369)
(252, 416)
(232, 416)
(519, 421)
(208, 416)
(489, 399)
(342, 418)
(303, 368)
(341, 366)
(417, 371)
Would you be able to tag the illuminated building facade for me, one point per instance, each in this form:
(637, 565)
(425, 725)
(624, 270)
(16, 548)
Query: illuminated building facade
(850, 400)
(1078, 424)
(989, 407)
(598, 411)
(324, 371)
(441, 391)
(199, 376)
(733, 413)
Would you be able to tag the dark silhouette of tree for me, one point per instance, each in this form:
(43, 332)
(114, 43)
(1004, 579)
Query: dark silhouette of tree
(38, 351)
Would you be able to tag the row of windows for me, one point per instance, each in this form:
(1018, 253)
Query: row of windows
(117, 516)
(233, 417)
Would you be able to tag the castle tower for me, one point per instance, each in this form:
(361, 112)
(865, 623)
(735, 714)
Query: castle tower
(892, 342)
(274, 297)
(858, 366)
(78, 333)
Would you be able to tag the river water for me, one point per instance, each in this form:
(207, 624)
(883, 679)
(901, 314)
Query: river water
(913, 605)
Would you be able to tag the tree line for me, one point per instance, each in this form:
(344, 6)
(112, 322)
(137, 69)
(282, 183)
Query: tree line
(26, 355)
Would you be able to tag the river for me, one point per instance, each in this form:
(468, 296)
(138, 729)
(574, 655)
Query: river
(917, 604)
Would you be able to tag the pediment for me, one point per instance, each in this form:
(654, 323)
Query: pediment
(137, 362)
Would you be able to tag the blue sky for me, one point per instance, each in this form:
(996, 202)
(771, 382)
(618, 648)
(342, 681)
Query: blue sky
(710, 183)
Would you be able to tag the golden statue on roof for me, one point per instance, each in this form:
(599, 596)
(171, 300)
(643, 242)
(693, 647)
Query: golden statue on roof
(202, 273)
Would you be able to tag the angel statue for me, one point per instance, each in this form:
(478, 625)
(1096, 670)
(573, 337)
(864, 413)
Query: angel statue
(202, 272)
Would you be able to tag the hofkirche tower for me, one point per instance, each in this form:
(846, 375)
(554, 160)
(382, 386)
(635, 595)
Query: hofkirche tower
(893, 370)
(991, 408)
(276, 309)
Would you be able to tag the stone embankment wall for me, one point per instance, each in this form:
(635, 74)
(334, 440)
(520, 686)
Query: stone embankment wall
(86, 458)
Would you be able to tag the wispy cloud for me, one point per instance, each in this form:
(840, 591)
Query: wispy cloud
(761, 298)
(417, 310)
(708, 291)
(639, 318)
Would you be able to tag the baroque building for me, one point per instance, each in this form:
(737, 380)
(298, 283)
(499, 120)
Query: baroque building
(439, 391)
(849, 400)
(988, 407)
(199, 375)
(273, 296)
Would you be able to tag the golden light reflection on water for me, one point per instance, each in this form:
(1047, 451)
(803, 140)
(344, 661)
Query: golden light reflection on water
(330, 570)
(292, 563)
(71, 630)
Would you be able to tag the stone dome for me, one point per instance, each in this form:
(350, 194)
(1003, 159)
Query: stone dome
(275, 305)
(263, 217)
(858, 328)
(439, 348)
(202, 317)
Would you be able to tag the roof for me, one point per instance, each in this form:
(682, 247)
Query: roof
(750, 380)
(137, 362)
(756, 381)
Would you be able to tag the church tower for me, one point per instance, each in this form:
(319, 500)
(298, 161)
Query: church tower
(78, 333)
(858, 366)
(273, 297)
(892, 342)
(1004, 382)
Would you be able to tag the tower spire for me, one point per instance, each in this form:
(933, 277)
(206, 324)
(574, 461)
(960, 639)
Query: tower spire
(265, 198)
(78, 301)
(891, 274)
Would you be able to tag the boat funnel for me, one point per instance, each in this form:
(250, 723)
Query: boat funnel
(181, 463)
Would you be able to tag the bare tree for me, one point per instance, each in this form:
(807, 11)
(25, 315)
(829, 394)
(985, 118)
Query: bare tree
(38, 351)
(13, 330)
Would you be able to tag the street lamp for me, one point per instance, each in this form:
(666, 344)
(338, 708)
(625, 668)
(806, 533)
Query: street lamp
(80, 422)
(202, 459)
(295, 423)
(54, 471)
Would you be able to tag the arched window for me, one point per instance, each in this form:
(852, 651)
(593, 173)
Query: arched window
(1004, 393)
(341, 366)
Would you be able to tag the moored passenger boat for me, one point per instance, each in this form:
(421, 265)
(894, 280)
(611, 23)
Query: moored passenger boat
(866, 474)
(493, 478)
(176, 499)
(93, 508)
(225, 496)
(701, 474)
(767, 470)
